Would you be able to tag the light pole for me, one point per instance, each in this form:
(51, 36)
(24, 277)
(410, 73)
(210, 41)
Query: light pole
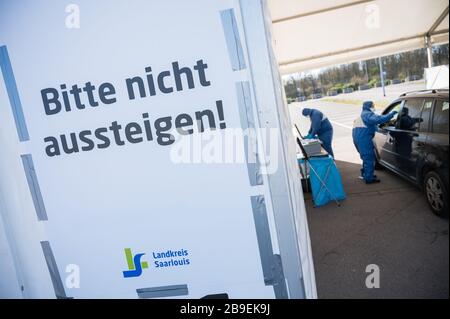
(429, 47)
(380, 63)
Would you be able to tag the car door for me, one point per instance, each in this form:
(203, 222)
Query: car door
(411, 134)
(437, 146)
(385, 137)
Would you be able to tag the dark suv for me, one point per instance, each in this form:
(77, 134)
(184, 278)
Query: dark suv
(415, 144)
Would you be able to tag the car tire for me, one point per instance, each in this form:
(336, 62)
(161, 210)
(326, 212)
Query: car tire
(436, 193)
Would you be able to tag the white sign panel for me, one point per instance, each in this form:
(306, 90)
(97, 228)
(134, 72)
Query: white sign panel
(107, 89)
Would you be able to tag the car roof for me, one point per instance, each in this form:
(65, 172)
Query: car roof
(441, 93)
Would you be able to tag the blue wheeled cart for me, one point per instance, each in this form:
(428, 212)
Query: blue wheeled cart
(324, 178)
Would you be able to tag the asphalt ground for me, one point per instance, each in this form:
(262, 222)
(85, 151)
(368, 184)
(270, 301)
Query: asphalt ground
(387, 224)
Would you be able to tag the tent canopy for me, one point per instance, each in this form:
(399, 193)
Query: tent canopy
(310, 34)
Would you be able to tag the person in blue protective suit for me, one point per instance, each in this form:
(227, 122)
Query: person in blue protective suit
(320, 127)
(364, 129)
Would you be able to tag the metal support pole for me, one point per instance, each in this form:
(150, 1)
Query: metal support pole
(429, 46)
(367, 71)
(380, 63)
(288, 204)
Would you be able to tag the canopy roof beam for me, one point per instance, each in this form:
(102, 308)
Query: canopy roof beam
(302, 15)
(374, 45)
(437, 22)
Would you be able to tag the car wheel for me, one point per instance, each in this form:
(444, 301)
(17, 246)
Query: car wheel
(436, 194)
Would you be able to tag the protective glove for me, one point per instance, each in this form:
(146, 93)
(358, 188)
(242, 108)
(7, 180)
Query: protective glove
(309, 137)
(394, 113)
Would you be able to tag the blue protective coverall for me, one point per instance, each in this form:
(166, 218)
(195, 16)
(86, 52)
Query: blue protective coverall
(364, 129)
(321, 127)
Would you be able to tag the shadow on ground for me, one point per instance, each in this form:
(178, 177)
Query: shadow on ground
(387, 224)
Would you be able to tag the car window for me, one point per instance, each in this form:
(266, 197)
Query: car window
(440, 117)
(394, 107)
(409, 118)
(426, 116)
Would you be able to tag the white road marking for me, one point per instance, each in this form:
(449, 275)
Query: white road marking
(342, 125)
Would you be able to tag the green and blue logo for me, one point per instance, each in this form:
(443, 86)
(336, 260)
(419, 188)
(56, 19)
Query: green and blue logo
(135, 265)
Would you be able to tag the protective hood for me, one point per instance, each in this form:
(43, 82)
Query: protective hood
(306, 112)
(367, 105)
